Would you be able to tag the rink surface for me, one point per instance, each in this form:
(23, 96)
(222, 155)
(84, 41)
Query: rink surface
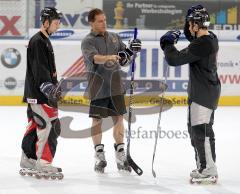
(174, 158)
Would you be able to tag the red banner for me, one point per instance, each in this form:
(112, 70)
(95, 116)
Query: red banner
(9, 25)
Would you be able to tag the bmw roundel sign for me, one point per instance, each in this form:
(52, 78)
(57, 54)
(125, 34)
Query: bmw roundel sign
(10, 57)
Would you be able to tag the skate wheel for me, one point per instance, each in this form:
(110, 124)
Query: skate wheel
(129, 169)
(99, 170)
(29, 174)
(22, 173)
(46, 177)
(38, 176)
(60, 177)
(191, 181)
(214, 180)
(53, 177)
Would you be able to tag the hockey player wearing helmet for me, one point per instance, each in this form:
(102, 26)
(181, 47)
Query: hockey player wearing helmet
(50, 18)
(41, 92)
(203, 86)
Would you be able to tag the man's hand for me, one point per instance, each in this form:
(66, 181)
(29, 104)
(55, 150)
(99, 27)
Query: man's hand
(113, 58)
(171, 37)
(135, 45)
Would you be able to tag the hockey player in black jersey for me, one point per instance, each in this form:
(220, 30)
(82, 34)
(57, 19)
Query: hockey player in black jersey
(41, 92)
(203, 86)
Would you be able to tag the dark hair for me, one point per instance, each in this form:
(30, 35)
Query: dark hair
(92, 13)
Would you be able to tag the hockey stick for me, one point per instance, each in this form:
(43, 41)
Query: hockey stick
(133, 165)
(159, 123)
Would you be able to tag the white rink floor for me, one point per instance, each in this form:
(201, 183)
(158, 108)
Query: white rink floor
(174, 158)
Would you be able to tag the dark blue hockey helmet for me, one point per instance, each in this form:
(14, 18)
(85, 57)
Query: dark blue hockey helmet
(50, 13)
(200, 17)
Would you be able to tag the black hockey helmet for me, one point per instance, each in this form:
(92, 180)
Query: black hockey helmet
(50, 13)
(200, 17)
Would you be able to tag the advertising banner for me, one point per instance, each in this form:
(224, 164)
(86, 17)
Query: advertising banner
(150, 68)
(74, 12)
(168, 14)
(15, 17)
(144, 35)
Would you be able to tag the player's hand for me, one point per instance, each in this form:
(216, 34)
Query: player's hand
(113, 58)
(51, 91)
(135, 45)
(124, 58)
(171, 37)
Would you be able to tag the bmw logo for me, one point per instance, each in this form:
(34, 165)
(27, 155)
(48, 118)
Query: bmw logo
(10, 83)
(10, 58)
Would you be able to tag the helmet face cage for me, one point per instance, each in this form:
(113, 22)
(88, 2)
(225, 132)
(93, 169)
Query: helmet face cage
(200, 17)
(50, 13)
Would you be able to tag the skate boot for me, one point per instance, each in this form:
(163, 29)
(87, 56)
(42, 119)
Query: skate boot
(27, 166)
(46, 170)
(121, 159)
(100, 161)
(193, 173)
(206, 176)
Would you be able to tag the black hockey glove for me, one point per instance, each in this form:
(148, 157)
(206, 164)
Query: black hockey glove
(52, 92)
(171, 37)
(125, 57)
(135, 45)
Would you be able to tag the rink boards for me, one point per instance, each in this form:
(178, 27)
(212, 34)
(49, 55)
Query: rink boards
(150, 71)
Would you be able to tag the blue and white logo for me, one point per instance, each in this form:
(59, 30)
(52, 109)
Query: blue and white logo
(11, 58)
(10, 83)
(62, 34)
(126, 34)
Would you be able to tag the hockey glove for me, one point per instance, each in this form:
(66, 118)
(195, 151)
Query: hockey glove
(135, 45)
(125, 57)
(51, 91)
(171, 37)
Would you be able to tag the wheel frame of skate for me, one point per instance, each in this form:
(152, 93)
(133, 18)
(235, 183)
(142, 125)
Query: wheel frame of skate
(40, 175)
(209, 181)
(23, 172)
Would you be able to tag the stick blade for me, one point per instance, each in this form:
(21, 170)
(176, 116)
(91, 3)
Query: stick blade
(134, 166)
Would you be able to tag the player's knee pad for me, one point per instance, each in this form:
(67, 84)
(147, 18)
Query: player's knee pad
(41, 123)
(190, 133)
(202, 131)
(209, 131)
(56, 127)
(199, 132)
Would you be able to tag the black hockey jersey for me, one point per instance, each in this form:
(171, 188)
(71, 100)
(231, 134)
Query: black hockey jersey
(204, 86)
(40, 68)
